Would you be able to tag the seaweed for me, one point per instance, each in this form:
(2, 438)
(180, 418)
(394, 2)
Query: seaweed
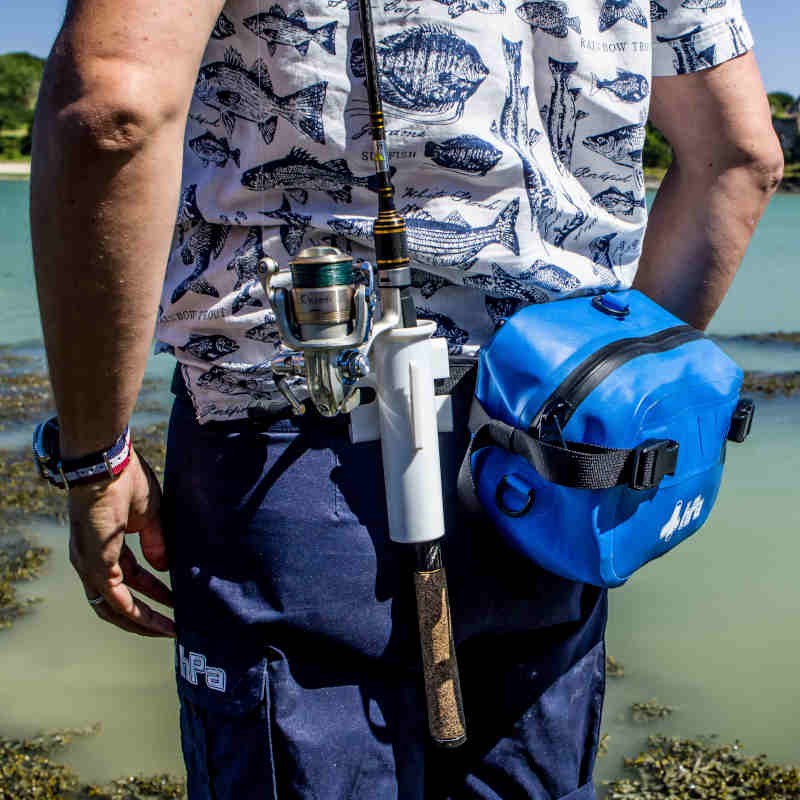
(27, 772)
(772, 383)
(651, 710)
(684, 769)
(613, 668)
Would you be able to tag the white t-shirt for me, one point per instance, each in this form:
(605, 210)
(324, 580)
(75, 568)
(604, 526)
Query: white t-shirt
(516, 129)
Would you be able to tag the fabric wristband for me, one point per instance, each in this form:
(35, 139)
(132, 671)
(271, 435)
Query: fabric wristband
(91, 468)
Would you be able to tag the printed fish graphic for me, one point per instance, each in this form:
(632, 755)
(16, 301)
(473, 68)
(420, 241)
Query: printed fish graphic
(600, 251)
(455, 8)
(245, 297)
(298, 173)
(513, 130)
(294, 227)
(250, 381)
(427, 73)
(211, 150)
(223, 29)
(503, 284)
(615, 10)
(237, 92)
(453, 242)
(206, 241)
(657, 11)
(562, 113)
(616, 201)
(246, 258)
(275, 28)
(427, 283)
(553, 278)
(266, 332)
(466, 153)
(630, 87)
(445, 328)
(703, 5)
(500, 309)
(737, 37)
(188, 213)
(209, 348)
(685, 56)
(549, 16)
(622, 146)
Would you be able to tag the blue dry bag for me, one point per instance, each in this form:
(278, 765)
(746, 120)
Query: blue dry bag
(601, 436)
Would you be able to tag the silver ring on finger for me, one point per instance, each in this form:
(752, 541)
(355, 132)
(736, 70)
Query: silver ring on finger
(96, 601)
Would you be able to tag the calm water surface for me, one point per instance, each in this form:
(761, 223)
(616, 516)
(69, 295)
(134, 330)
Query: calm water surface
(712, 629)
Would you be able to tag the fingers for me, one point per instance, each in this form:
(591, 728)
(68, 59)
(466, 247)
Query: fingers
(120, 599)
(151, 534)
(105, 612)
(143, 581)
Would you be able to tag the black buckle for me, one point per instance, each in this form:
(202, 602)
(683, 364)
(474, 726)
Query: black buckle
(652, 460)
(742, 420)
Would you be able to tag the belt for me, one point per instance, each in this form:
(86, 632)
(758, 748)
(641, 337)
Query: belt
(460, 384)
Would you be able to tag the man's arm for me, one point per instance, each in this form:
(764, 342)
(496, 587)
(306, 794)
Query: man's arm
(107, 152)
(728, 163)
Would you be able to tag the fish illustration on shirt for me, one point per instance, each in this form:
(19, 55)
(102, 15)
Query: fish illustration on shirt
(615, 10)
(630, 87)
(455, 8)
(615, 201)
(737, 37)
(223, 29)
(427, 73)
(445, 329)
(251, 381)
(299, 173)
(211, 150)
(294, 226)
(503, 284)
(600, 251)
(562, 114)
(427, 283)
(467, 153)
(657, 11)
(553, 278)
(209, 348)
(247, 257)
(453, 242)
(622, 146)
(549, 16)
(352, 227)
(205, 242)
(703, 5)
(500, 309)
(236, 92)
(275, 27)
(188, 213)
(685, 57)
(266, 332)
(245, 297)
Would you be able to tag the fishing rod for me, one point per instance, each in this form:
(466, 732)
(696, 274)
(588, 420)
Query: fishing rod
(326, 313)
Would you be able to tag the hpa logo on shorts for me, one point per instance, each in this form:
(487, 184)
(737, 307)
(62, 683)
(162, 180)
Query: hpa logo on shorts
(194, 665)
(682, 517)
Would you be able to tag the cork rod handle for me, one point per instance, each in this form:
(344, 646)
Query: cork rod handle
(442, 684)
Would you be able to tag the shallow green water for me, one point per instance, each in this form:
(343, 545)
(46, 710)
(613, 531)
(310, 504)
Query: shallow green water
(712, 629)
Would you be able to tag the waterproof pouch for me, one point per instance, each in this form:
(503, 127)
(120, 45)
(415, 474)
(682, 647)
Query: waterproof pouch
(601, 433)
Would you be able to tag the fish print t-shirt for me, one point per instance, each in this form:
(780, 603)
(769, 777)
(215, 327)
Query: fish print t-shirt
(516, 129)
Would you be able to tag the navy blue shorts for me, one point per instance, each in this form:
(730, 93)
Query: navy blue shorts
(297, 659)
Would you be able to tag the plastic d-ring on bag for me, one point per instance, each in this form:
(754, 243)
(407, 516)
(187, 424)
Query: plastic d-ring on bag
(602, 433)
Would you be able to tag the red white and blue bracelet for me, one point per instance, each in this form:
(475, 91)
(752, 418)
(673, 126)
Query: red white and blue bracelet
(64, 473)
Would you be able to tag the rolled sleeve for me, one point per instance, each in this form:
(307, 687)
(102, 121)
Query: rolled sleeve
(692, 35)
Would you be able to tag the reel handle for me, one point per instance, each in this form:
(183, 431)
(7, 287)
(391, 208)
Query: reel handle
(446, 721)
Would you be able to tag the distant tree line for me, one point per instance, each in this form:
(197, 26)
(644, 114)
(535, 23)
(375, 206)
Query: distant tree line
(20, 76)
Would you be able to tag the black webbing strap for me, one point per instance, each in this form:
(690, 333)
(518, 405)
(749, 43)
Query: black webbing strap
(578, 465)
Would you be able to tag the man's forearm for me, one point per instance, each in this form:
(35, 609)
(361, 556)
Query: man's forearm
(103, 201)
(699, 229)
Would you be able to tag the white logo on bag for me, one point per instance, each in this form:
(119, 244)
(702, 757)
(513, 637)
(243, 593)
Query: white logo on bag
(194, 665)
(682, 517)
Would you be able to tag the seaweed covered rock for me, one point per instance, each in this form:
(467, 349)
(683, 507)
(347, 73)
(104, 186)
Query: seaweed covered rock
(684, 769)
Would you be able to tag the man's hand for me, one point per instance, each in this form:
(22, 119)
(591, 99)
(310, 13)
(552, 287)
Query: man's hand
(100, 516)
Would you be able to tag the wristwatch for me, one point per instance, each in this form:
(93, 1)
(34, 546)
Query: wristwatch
(64, 473)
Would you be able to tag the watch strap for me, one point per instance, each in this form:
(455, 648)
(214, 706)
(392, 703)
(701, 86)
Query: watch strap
(64, 473)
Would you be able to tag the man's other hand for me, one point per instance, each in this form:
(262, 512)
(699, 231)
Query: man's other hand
(100, 516)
